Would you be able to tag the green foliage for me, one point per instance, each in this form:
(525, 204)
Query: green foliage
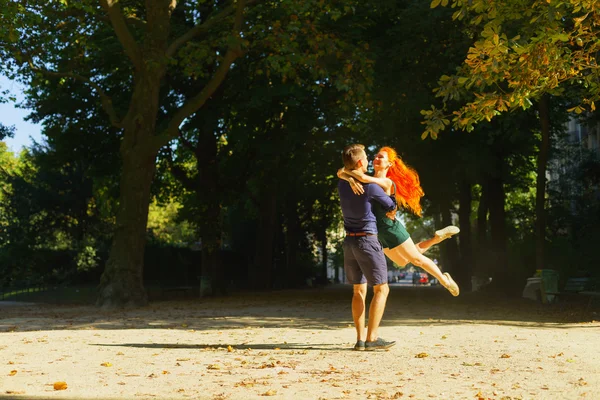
(51, 226)
(164, 227)
(521, 51)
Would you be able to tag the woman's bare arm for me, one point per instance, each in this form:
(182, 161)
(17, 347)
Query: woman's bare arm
(385, 183)
(357, 188)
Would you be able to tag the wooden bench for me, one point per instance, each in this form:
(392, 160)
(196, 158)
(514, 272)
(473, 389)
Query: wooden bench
(575, 287)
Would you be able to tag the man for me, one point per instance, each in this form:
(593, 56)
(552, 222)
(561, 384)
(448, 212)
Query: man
(364, 261)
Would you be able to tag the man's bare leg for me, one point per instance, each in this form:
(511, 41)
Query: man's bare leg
(376, 309)
(358, 309)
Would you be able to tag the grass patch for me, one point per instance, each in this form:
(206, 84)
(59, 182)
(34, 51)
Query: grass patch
(81, 294)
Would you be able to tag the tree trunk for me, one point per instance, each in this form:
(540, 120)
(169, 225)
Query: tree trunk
(465, 242)
(121, 284)
(481, 267)
(261, 276)
(324, 254)
(499, 241)
(438, 223)
(292, 244)
(482, 214)
(212, 265)
(540, 184)
(449, 248)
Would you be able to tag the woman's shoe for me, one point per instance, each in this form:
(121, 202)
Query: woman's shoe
(452, 286)
(447, 232)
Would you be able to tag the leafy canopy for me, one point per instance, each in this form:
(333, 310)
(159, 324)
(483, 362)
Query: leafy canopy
(521, 50)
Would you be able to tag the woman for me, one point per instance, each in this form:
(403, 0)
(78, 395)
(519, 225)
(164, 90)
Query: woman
(401, 181)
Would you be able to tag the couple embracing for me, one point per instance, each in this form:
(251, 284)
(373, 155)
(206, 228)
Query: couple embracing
(369, 205)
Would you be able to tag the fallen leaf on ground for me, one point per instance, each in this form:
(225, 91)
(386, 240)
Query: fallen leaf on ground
(581, 382)
(505, 356)
(15, 392)
(106, 364)
(421, 355)
(13, 372)
(214, 366)
(229, 349)
(270, 393)
(60, 385)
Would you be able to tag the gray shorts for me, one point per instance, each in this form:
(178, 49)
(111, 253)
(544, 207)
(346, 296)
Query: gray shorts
(364, 260)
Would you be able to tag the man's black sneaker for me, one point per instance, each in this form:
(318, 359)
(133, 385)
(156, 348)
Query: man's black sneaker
(360, 345)
(379, 344)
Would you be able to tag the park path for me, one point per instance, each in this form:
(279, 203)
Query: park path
(296, 345)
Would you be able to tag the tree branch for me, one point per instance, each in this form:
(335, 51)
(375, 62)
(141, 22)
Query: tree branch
(205, 26)
(196, 102)
(104, 98)
(180, 174)
(172, 6)
(122, 31)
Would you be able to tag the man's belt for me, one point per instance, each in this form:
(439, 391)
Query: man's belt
(360, 234)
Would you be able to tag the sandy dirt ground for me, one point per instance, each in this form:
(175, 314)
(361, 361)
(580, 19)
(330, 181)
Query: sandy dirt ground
(297, 345)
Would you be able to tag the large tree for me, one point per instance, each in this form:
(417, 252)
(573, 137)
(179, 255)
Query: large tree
(522, 53)
(130, 52)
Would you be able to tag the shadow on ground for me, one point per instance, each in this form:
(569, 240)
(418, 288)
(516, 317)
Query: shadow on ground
(319, 308)
(253, 346)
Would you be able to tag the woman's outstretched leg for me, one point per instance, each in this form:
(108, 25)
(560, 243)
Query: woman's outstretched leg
(439, 237)
(410, 252)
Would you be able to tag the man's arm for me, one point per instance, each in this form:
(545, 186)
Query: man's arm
(376, 193)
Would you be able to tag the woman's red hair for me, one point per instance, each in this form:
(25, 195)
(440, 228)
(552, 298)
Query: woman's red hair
(408, 186)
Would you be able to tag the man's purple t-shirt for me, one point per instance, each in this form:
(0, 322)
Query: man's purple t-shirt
(357, 209)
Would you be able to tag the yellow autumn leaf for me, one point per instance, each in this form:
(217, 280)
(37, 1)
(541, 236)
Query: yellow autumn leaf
(13, 372)
(166, 372)
(60, 385)
(214, 366)
(229, 349)
(106, 364)
(505, 356)
(421, 355)
(270, 392)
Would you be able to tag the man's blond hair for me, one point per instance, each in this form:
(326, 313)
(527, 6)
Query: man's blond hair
(352, 154)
